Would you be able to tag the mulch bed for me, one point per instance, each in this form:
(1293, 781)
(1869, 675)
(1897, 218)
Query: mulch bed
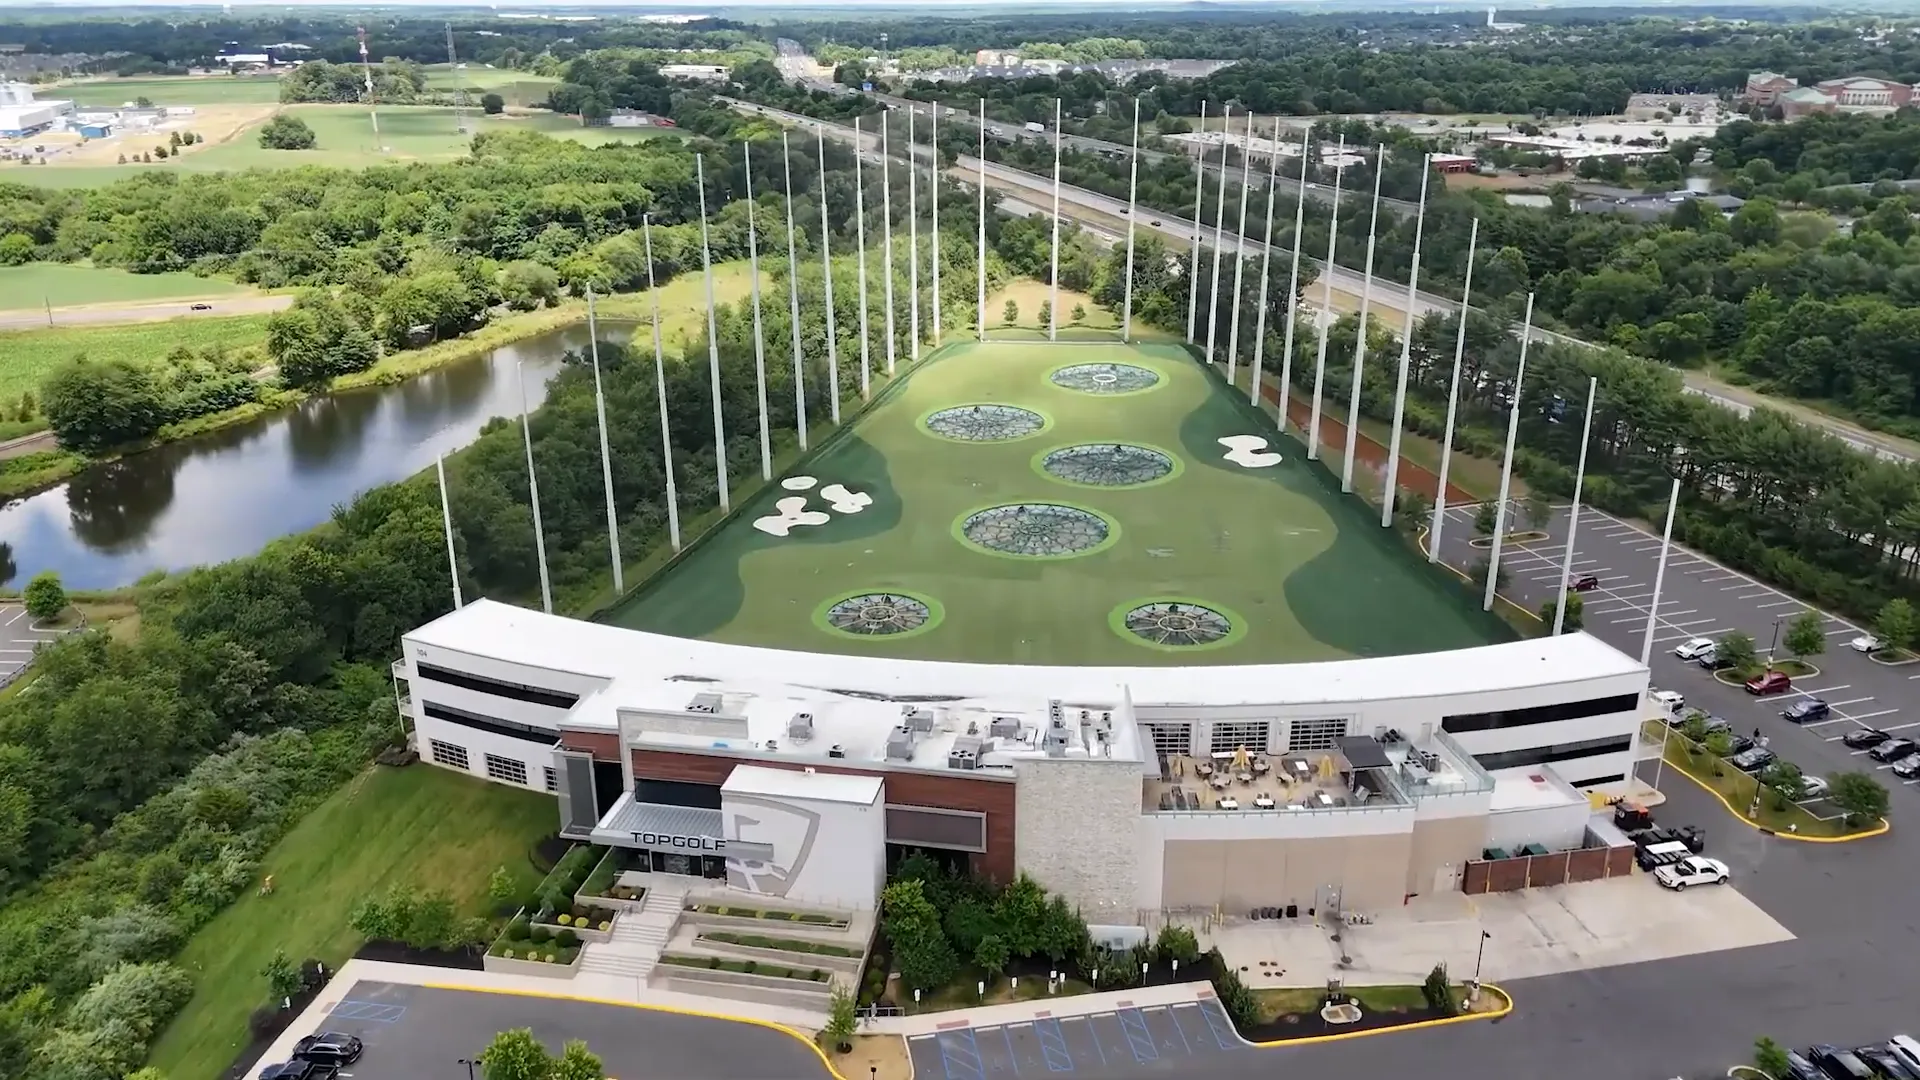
(1309, 1025)
(470, 958)
(268, 1024)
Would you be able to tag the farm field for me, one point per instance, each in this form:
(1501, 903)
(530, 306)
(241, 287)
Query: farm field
(171, 90)
(27, 355)
(519, 88)
(64, 285)
(422, 826)
(1043, 503)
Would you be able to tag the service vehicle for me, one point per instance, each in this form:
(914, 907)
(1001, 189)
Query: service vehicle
(1690, 871)
(1036, 127)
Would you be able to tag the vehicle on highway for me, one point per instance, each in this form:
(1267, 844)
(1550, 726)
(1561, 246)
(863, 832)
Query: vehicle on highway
(329, 1048)
(1840, 1064)
(1861, 738)
(1754, 760)
(1908, 768)
(1692, 870)
(1867, 643)
(1893, 750)
(1584, 583)
(1155, 224)
(996, 130)
(1807, 710)
(1769, 682)
(201, 307)
(1692, 650)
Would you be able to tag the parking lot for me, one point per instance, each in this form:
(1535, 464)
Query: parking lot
(1156, 1040)
(19, 637)
(1700, 598)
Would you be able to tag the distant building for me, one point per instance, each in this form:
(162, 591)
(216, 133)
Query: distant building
(1856, 93)
(241, 60)
(996, 58)
(707, 72)
(1572, 150)
(1501, 27)
(1452, 163)
(21, 114)
(1765, 88)
(628, 118)
(95, 130)
(1117, 70)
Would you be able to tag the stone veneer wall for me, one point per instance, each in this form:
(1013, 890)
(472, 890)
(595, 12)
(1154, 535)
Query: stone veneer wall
(1075, 832)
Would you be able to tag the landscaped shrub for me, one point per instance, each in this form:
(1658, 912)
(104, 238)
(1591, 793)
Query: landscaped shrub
(566, 939)
(1238, 1001)
(541, 935)
(565, 920)
(606, 925)
(1176, 944)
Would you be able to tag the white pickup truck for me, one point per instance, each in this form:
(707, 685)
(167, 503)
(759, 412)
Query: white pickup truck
(1033, 126)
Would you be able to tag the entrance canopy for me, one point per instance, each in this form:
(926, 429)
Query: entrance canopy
(660, 827)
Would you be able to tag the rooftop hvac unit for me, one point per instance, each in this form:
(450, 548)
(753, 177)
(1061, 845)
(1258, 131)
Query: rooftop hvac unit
(1056, 739)
(1004, 727)
(773, 746)
(965, 753)
(704, 703)
(800, 728)
(919, 720)
(836, 751)
(900, 744)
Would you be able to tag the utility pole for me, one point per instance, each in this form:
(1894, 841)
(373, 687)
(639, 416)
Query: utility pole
(459, 87)
(366, 72)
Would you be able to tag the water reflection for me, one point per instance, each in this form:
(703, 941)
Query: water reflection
(228, 493)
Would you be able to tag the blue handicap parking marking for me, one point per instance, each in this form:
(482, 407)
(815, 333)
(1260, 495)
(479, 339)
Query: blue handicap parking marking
(960, 1055)
(1184, 1044)
(1133, 1024)
(371, 1011)
(1013, 1058)
(1053, 1045)
(1217, 1024)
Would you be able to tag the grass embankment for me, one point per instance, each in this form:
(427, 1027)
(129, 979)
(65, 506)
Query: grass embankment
(67, 284)
(1737, 789)
(431, 827)
(959, 994)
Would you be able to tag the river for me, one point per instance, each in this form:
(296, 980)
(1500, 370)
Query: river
(227, 493)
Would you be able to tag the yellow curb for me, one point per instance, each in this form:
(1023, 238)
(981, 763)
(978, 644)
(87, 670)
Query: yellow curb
(1878, 830)
(1505, 1008)
(676, 1010)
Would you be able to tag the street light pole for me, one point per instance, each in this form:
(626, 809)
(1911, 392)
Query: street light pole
(469, 1063)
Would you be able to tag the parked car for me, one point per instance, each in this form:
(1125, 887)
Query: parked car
(1584, 583)
(1671, 702)
(1814, 787)
(1885, 1063)
(1893, 750)
(1739, 744)
(1710, 659)
(1807, 710)
(1867, 643)
(1799, 1068)
(329, 1048)
(300, 1070)
(1769, 682)
(1692, 870)
(1714, 723)
(1755, 760)
(201, 307)
(1906, 1050)
(1840, 1064)
(1908, 767)
(1862, 738)
(1694, 649)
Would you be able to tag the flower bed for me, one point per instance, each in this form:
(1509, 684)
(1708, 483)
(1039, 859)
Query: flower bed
(526, 941)
(586, 923)
(793, 945)
(802, 918)
(746, 967)
(601, 882)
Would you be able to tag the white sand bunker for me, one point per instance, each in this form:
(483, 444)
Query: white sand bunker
(792, 514)
(1249, 451)
(799, 483)
(844, 501)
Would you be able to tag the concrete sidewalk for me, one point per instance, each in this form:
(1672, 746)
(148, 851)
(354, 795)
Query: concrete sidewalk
(1056, 1007)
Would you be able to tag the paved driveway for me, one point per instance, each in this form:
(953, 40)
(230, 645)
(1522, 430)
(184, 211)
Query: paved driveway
(1190, 1039)
(19, 637)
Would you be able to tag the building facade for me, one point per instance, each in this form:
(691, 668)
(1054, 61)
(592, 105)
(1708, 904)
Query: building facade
(1128, 790)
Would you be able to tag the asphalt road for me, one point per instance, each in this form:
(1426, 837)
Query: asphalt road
(19, 637)
(108, 314)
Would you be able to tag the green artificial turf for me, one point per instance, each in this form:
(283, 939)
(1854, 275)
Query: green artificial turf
(1302, 573)
(425, 826)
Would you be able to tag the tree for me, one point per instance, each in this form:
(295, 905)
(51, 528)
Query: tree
(161, 152)
(493, 104)
(1021, 912)
(500, 887)
(516, 1055)
(1079, 314)
(1769, 1058)
(1719, 745)
(1539, 509)
(1895, 625)
(1438, 990)
(1010, 313)
(286, 132)
(843, 1019)
(283, 978)
(1859, 796)
(1736, 650)
(1046, 312)
(46, 598)
(94, 405)
(143, 102)
(920, 948)
(991, 957)
(576, 1062)
(1806, 635)
(1575, 612)
(1486, 519)
(174, 140)
(1787, 783)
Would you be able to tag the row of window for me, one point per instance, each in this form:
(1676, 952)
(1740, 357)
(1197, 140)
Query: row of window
(491, 724)
(503, 769)
(535, 695)
(1540, 714)
(1546, 755)
(1227, 736)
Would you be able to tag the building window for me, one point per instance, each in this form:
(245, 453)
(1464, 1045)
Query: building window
(1318, 734)
(491, 724)
(453, 757)
(1540, 714)
(553, 779)
(1596, 781)
(535, 695)
(507, 769)
(1171, 739)
(1546, 755)
(1231, 735)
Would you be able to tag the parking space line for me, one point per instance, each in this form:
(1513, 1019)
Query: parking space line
(1140, 1041)
(1214, 1025)
(1007, 1031)
(1175, 1017)
(1818, 690)
(966, 1057)
(1094, 1033)
(1053, 1045)
(1835, 719)
(374, 1012)
(1839, 632)
(1877, 712)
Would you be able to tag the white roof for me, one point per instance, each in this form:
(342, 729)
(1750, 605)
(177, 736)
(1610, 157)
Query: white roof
(1531, 787)
(793, 784)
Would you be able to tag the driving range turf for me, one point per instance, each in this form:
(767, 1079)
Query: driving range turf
(1294, 570)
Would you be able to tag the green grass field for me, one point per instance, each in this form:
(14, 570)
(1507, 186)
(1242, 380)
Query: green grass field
(516, 87)
(63, 284)
(171, 90)
(1296, 571)
(27, 355)
(421, 825)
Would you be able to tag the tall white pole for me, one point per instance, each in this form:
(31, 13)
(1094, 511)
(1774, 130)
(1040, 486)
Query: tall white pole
(606, 455)
(1240, 261)
(1133, 187)
(1659, 577)
(913, 239)
(980, 249)
(1266, 262)
(533, 490)
(1199, 194)
(1324, 319)
(660, 387)
(826, 278)
(793, 299)
(759, 342)
(713, 340)
(1506, 464)
(1453, 400)
(1406, 353)
(1293, 274)
(860, 218)
(933, 181)
(886, 219)
(446, 522)
(1053, 276)
(1360, 337)
(1219, 232)
(1573, 517)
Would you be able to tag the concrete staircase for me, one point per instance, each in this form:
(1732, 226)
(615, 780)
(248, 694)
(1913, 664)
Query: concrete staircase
(638, 937)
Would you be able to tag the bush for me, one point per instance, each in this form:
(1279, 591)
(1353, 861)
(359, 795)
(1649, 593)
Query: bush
(44, 596)
(1438, 990)
(541, 935)
(286, 132)
(566, 939)
(1238, 1001)
(1176, 944)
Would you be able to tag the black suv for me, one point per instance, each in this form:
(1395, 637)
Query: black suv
(1862, 738)
(329, 1048)
(1893, 750)
(300, 1070)
(1807, 710)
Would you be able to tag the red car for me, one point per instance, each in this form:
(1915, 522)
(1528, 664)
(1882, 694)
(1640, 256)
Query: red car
(1771, 682)
(1584, 583)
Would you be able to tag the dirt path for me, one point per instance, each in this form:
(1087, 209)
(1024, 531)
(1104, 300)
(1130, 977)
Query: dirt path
(28, 444)
(1333, 443)
(157, 311)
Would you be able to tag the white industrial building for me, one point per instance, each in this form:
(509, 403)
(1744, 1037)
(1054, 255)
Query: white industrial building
(21, 114)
